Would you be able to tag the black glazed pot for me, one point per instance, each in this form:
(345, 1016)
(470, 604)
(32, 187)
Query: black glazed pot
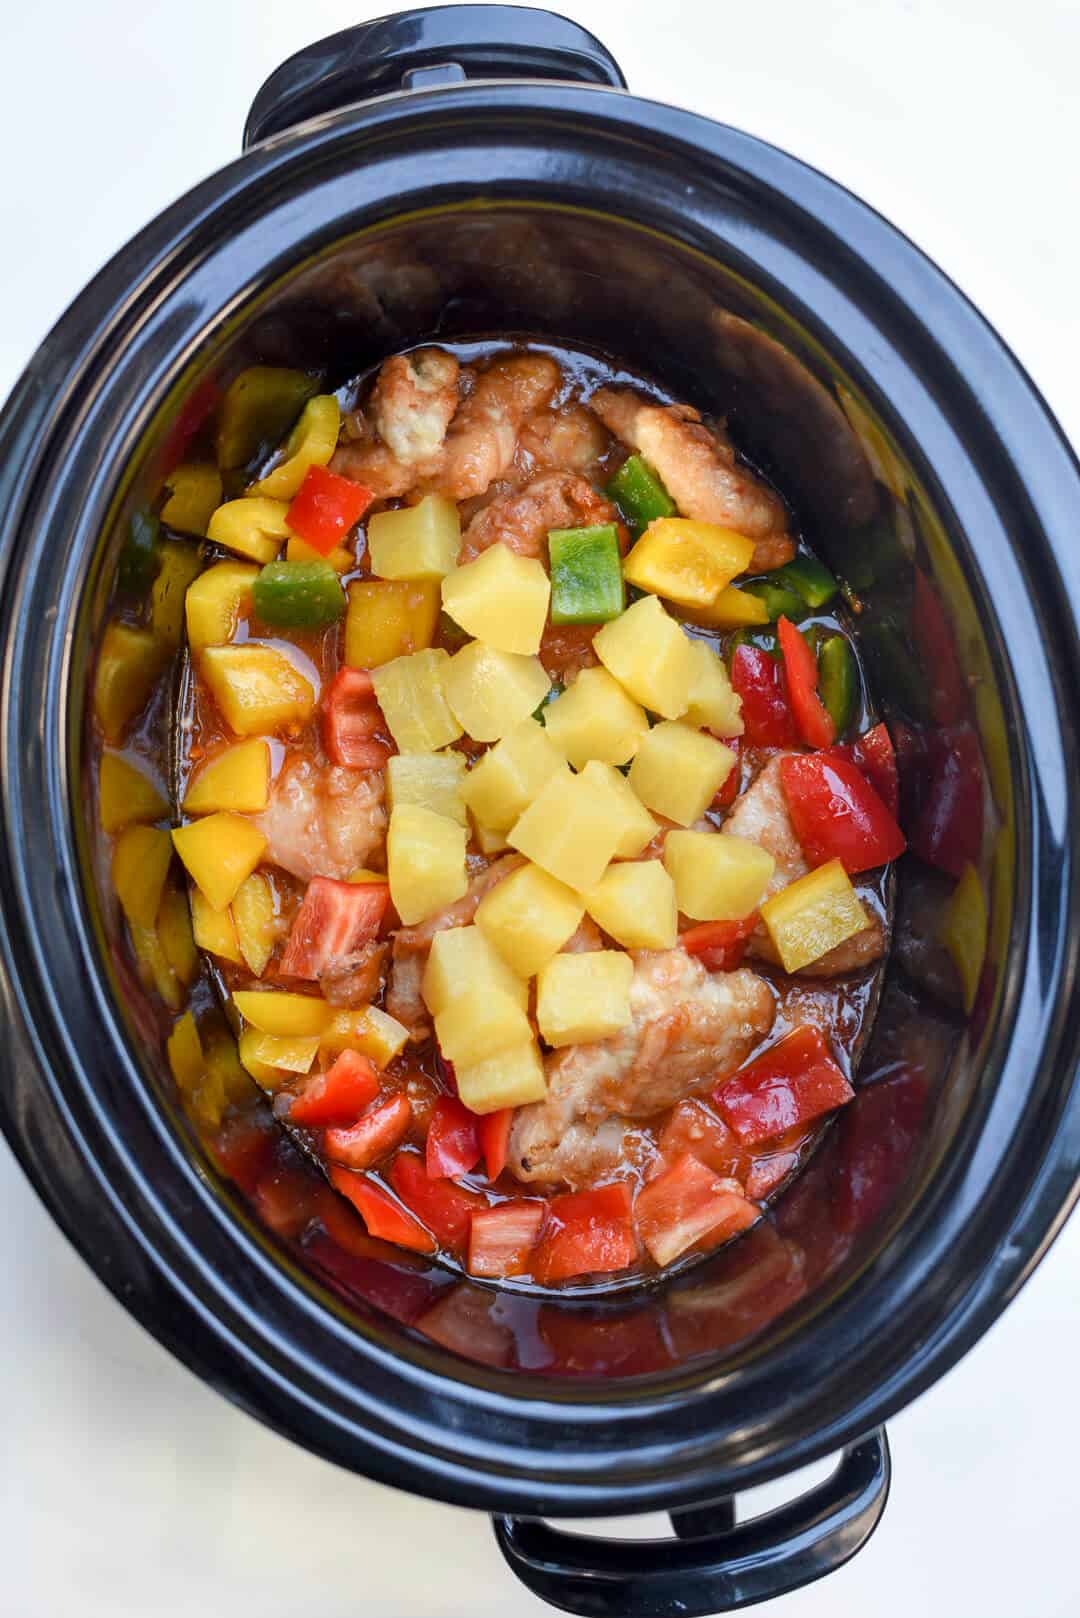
(512, 185)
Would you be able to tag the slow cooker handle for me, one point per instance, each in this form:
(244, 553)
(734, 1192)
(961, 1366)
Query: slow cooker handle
(410, 49)
(714, 1566)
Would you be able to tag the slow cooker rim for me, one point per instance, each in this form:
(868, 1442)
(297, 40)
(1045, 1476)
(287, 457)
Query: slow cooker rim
(677, 125)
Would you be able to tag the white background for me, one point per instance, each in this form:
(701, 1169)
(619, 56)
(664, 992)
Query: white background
(126, 1487)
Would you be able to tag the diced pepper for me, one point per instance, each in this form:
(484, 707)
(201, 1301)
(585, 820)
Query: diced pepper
(298, 595)
(368, 1030)
(341, 559)
(837, 814)
(586, 575)
(337, 1096)
(180, 564)
(693, 1127)
(812, 915)
(254, 527)
(780, 600)
(763, 638)
(219, 853)
(383, 1217)
(129, 664)
(185, 1053)
(140, 864)
(790, 1084)
(257, 688)
(389, 618)
(732, 609)
(687, 562)
(259, 408)
(639, 494)
(838, 680)
(587, 1233)
(141, 555)
(444, 1207)
(126, 795)
(154, 968)
(236, 778)
(175, 935)
(214, 929)
(270, 1058)
(501, 1239)
(949, 833)
(216, 601)
(453, 1140)
(761, 685)
(311, 443)
(494, 1132)
(688, 1205)
(963, 932)
(242, 1150)
(873, 753)
(360, 1145)
(325, 507)
(465, 1320)
(194, 494)
(350, 718)
(286, 1016)
(810, 579)
(720, 945)
(812, 719)
(335, 919)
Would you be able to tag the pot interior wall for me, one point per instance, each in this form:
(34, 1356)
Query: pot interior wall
(864, 501)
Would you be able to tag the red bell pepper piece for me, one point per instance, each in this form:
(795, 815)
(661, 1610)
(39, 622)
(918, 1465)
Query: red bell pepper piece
(812, 719)
(767, 1172)
(936, 642)
(453, 1141)
(719, 945)
(350, 718)
(694, 1127)
(587, 1233)
(760, 682)
(494, 1132)
(689, 1204)
(337, 1096)
(371, 1137)
(333, 921)
(727, 794)
(383, 1216)
(873, 753)
(837, 814)
(949, 832)
(501, 1239)
(786, 1086)
(444, 1207)
(325, 507)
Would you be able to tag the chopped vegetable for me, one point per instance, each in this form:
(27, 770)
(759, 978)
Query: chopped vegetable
(639, 494)
(687, 562)
(337, 1096)
(810, 579)
(310, 443)
(963, 932)
(214, 930)
(582, 997)
(632, 823)
(528, 917)
(873, 753)
(490, 692)
(270, 1058)
(480, 1021)
(180, 563)
(511, 1078)
(812, 719)
(360, 1145)
(634, 902)
(140, 864)
(677, 771)
(425, 855)
(501, 785)
(494, 1132)
(720, 945)
(760, 684)
(237, 779)
(688, 1205)
(350, 718)
(713, 704)
(462, 957)
(141, 555)
(288, 1016)
(501, 598)
(341, 559)
(254, 526)
(567, 830)
(587, 1233)
(949, 833)
(813, 915)
(298, 595)
(729, 787)
(383, 1216)
(368, 1030)
(175, 935)
(325, 507)
(335, 919)
(838, 680)
(649, 654)
(254, 917)
(388, 618)
(693, 1127)
(185, 1053)
(780, 601)
(259, 408)
(431, 779)
(219, 852)
(415, 542)
(586, 574)
(126, 795)
(257, 688)
(216, 601)
(732, 609)
(194, 494)
(501, 1239)
(789, 1085)
(129, 662)
(717, 877)
(837, 814)
(453, 1140)
(411, 694)
(594, 718)
(444, 1207)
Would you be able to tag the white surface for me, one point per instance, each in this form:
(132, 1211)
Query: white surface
(127, 1488)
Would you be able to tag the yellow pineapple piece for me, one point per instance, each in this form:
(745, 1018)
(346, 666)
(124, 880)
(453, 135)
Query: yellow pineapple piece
(411, 695)
(415, 542)
(219, 852)
(713, 704)
(634, 902)
(491, 691)
(216, 602)
(311, 443)
(425, 856)
(125, 795)
(140, 864)
(595, 719)
(568, 831)
(717, 877)
(502, 784)
(214, 929)
(433, 780)
(478, 1023)
(257, 688)
(462, 958)
(528, 917)
(194, 493)
(649, 655)
(630, 820)
(129, 664)
(255, 922)
(677, 771)
(289, 1016)
(252, 526)
(488, 841)
(584, 997)
(500, 598)
(389, 618)
(512, 1078)
(238, 779)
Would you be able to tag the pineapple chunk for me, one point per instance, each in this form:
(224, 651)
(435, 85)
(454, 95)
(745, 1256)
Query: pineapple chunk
(175, 935)
(432, 780)
(250, 527)
(713, 704)
(253, 914)
(237, 778)
(194, 493)
(634, 903)
(219, 852)
(372, 1032)
(140, 864)
(186, 1054)
(216, 602)
(268, 1057)
(488, 841)
(289, 1016)
(415, 542)
(513, 1078)
(425, 856)
(389, 618)
(180, 566)
(409, 690)
(480, 1022)
(594, 718)
(629, 817)
(125, 795)
(649, 655)
(528, 917)
(491, 691)
(214, 929)
(568, 831)
(678, 771)
(129, 663)
(461, 958)
(584, 997)
(685, 561)
(501, 598)
(257, 688)
(311, 443)
(717, 877)
(812, 915)
(501, 786)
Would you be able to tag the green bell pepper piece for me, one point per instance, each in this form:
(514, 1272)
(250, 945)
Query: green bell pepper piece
(639, 495)
(298, 595)
(764, 639)
(586, 575)
(809, 579)
(837, 680)
(780, 601)
(140, 559)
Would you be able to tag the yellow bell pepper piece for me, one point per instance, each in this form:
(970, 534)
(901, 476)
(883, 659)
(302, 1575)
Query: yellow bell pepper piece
(372, 1032)
(219, 852)
(237, 779)
(266, 1056)
(963, 931)
(340, 559)
(256, 687)
(254, 918)
(288, 1016)
(259, 408)
(223, 1065)
(812, 915)
(185, 1053)
(216, 602)
(732, 609)
(389, 618)
(253, 526)
(154, 969)
(175, 935)
(311, 443)
(126, 795)
(685, 561)
(194, 493)
(214, 930)
(128, 666)
(180, 565)
(140, 864)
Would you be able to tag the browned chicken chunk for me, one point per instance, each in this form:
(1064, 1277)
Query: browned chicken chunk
(324, 820)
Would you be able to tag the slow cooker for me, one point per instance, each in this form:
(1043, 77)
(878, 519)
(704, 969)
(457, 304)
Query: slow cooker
(482, 169)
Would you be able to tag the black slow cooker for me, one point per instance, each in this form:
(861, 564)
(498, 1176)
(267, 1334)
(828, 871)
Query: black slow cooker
(475, 169)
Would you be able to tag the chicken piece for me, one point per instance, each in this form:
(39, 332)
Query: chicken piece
(568, 438)
(412, 944)
(761, 815)
(587, 938)
(414, 401)
(522, 520)
(698, 468)
(483, 435)
(688, 1029)
(356, 979)
(363, 458)
(324, 820)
